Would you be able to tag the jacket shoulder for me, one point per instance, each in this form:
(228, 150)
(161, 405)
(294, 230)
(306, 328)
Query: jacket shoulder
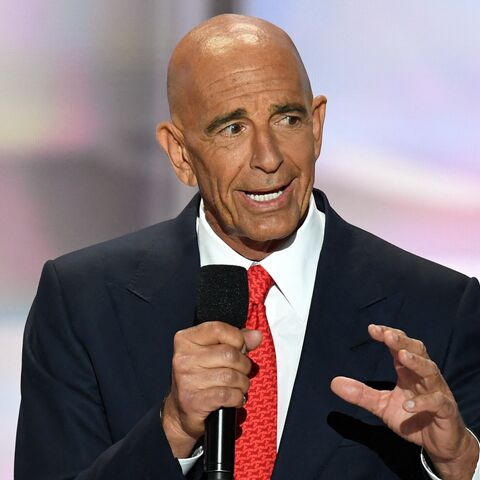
(119, 258)
(115, 257)
(403, 267)
(356, 247)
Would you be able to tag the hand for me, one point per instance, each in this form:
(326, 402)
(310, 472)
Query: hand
(421, 408)
(209, 370)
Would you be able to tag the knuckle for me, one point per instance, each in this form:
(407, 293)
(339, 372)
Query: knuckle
(228, 377)
(238, 340)
(223, 395)
(229, 354)
(439, 398)
(228, 397)
(217, 328)
(228, 333)
(179, 362)
(436, 370)
(178, 338)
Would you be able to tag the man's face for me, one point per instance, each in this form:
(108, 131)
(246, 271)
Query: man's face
(252, 134)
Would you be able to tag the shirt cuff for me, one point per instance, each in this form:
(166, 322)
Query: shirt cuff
(476, 475)
(186, 464)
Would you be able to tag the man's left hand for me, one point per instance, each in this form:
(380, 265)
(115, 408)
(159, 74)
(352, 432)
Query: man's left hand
(421, 408)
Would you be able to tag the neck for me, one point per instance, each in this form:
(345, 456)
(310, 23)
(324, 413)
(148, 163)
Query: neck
(251, 249)
(255, 250)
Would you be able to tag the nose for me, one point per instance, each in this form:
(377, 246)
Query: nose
(266, 154)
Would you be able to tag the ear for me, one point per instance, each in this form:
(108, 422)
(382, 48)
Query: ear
(319, 106)
(171, 140)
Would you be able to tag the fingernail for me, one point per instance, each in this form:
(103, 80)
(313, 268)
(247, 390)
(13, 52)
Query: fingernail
(244, 349)
(244, 400)
(409, 404)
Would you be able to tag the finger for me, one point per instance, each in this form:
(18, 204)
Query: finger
(358, 393)
(438, 403)
(428, 375)
(423, 367)
(212, 399)
(210, 333)
(223, 377)
(253, 338)
(396, 339)
(212, 356)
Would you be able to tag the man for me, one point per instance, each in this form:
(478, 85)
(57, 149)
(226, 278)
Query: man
(117, 382)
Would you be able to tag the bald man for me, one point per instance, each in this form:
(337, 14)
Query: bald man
(117, 381)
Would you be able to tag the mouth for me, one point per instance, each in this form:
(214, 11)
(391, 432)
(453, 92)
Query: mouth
(266, 196)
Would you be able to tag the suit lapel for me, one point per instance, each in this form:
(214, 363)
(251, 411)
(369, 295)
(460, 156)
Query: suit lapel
(347, 297)
(158, 300)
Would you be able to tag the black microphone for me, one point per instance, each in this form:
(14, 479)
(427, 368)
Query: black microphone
(222, 294)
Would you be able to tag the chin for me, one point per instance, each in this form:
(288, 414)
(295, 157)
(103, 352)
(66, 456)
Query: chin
(267, 234)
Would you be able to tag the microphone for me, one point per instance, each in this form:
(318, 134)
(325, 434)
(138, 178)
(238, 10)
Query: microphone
(222, 294)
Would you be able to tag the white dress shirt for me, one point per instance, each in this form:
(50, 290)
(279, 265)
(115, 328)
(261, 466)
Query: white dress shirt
(293, 268)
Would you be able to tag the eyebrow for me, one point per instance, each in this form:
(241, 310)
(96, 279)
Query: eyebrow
(288, 107)
(227, 117)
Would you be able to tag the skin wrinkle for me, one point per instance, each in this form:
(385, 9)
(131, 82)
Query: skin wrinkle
(247, 74)
(235, 77)
(254, 88)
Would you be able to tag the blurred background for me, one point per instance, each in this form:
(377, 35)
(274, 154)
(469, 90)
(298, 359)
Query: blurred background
(82, 86)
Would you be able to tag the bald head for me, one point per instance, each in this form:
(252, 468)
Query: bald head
(217, 44)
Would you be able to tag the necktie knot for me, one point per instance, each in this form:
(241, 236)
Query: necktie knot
(259, 283)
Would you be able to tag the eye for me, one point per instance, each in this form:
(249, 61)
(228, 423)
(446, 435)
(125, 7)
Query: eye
(232, 130)
(290, 120)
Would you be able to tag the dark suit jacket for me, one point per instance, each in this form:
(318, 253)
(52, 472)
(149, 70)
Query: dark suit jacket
(98, 347)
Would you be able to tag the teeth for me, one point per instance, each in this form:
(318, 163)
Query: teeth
(266, 197)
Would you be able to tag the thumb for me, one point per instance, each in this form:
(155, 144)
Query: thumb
(253, 338)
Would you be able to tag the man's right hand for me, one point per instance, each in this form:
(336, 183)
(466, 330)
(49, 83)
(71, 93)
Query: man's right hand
(209, 370)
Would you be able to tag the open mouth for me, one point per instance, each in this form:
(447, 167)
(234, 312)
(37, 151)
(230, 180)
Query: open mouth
(265, 197)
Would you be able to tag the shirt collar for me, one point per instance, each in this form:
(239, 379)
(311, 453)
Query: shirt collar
(293, 267)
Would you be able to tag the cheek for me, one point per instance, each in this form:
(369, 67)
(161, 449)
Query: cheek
(217, 179)
(226, 169)
(299, 147)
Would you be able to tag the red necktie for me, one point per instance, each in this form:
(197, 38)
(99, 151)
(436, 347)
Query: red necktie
(256, 448)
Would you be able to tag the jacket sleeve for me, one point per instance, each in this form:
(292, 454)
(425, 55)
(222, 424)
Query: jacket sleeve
(462, 362)
(63, 431)
(461, 367)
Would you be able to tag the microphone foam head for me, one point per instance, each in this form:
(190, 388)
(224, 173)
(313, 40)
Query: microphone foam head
(222, 294)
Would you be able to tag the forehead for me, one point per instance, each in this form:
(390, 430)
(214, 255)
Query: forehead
(249, 76)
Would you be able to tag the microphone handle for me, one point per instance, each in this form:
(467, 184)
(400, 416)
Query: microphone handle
(219, 458)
